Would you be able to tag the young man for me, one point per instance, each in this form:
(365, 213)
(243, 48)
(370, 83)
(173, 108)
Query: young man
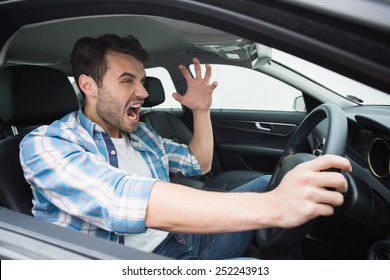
(102, 172)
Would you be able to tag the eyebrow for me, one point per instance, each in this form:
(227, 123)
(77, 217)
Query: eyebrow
(130, 75)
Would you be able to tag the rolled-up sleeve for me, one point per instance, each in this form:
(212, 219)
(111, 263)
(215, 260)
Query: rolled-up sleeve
(181, 159)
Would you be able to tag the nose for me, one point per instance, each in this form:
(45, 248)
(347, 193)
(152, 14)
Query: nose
(141, 91)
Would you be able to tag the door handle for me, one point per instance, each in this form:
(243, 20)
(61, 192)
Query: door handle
(262, 126)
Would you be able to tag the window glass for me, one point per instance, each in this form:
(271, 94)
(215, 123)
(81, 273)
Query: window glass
(349, 88)
(242, 88)
(162, 74)
(76, 90)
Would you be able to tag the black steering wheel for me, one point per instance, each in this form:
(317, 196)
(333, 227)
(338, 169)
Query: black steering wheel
(277, 240)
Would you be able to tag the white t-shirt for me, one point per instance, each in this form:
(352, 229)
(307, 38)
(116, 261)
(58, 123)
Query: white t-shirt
(132, 162)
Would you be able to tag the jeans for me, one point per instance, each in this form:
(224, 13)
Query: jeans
(212, 246)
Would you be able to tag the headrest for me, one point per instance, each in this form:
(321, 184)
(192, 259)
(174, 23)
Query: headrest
(156, 92)
(31, 95)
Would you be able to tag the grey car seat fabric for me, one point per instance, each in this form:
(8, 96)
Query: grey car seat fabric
(30, 96)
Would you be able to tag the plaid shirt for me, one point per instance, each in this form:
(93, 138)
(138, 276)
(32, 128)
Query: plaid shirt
(71, 166)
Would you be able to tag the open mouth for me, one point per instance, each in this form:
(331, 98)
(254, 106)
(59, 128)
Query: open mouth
(133, 111)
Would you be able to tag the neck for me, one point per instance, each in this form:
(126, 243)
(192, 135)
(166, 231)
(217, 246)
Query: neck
(113, 132)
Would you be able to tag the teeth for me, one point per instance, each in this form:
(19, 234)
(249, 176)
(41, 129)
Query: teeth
(133, 111)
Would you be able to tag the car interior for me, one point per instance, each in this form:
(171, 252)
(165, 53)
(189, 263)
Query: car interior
(20, 108)
(170, 126)
(36, 89)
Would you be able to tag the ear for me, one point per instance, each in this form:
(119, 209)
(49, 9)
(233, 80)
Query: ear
(88, 85)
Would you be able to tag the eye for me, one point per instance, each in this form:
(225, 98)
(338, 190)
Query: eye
(127, 81)
(143, 80)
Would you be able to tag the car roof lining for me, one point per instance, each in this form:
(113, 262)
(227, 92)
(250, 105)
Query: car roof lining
(50, 43)
(356, 50)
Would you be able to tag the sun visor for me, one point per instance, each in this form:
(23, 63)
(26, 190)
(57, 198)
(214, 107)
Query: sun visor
(264, 55)
(236, 50)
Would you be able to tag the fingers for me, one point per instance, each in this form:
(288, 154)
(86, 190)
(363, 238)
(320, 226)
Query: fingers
(177, 96)
(326, 162)
(319, 195)
(310, 174)
(323, 210)
(324, 189)
(207, 75)
(198, 70)
(213, 85)
(331, 180)
(308, 190)
(198, 96)
(325, 204)
(185, 72)
(331, 198)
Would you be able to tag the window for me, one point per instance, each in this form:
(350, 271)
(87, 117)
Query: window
(344, 86)
(162, 74)
(242, 88)
(77, 91)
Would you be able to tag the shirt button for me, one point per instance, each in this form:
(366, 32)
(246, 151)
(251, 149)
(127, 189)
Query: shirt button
(113, 152)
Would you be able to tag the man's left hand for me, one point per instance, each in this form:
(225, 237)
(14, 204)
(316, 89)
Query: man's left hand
(198, 96)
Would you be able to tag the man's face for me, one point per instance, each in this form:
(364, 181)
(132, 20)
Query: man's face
(122, 94)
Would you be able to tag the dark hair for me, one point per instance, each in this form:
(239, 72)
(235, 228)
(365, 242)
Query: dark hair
(88, 55)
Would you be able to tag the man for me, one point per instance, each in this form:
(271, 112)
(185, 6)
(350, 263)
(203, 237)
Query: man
(102, 172)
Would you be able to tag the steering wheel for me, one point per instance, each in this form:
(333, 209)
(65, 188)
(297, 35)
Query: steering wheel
(277, 240)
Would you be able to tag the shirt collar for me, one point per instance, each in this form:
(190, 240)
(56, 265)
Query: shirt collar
(89, 125)
(136, 137)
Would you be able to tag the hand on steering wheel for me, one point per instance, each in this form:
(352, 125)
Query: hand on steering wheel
(276, 240)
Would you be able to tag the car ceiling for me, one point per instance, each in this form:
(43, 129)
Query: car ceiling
(354, 48)
(169, 42)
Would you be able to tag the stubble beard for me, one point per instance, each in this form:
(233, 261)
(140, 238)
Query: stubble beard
(110, 110)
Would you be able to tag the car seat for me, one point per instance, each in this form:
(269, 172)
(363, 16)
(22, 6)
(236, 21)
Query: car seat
(29, 96)
(170, 126)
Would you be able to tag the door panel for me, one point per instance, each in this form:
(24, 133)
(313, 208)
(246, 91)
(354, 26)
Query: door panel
(252, 140)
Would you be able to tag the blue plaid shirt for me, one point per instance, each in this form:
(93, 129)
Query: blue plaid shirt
(71, 166)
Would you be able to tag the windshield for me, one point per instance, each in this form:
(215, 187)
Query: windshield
(350, 89)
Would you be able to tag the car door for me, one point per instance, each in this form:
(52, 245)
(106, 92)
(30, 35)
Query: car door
(252, 140)
(253, 117)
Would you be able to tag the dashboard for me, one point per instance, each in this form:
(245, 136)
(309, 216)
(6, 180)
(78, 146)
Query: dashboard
(369, 140)
(364, 218)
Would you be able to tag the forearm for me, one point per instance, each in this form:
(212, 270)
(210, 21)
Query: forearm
(177, 208)
(202, 142)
